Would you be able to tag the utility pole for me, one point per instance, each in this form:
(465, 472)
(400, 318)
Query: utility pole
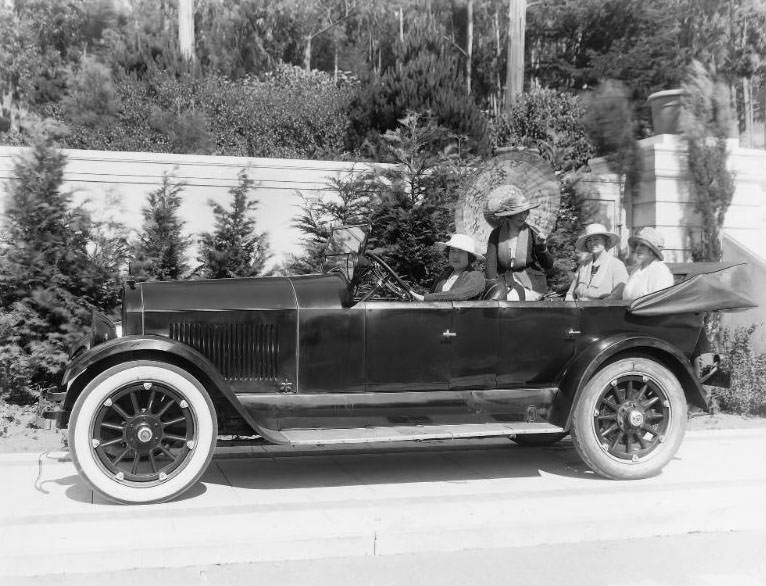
(514, 72)
(186, 28)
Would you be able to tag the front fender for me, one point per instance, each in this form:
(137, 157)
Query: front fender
(587, 362)
(91, 362)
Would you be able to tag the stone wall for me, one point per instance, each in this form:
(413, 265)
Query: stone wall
(115, 185)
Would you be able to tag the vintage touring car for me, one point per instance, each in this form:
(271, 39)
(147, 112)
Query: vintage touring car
(321, 359)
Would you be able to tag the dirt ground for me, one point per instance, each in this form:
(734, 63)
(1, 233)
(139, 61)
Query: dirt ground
(19, 434)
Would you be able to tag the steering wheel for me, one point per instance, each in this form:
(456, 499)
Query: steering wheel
(384, 276)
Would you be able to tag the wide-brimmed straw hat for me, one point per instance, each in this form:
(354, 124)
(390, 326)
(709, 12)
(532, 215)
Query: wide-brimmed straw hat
(596, 230)
(508, 200)
(651, 238)
(461, 242)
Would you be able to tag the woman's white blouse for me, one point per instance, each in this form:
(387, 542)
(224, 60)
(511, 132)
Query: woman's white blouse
(642, 281)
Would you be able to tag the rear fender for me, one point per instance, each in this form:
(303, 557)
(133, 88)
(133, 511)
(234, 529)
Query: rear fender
(586, 363)
(89, 364)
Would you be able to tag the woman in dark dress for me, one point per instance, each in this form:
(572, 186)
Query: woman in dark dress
(517, 252)
(459, 282)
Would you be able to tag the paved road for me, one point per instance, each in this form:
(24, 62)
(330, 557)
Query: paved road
(282, 505)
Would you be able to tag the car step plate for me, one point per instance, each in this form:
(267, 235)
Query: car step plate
(403, 433)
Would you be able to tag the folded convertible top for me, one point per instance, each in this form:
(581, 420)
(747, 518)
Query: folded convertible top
(727, 289)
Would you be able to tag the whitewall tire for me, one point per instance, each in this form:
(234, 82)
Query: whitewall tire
(630, 419)
(142, 432)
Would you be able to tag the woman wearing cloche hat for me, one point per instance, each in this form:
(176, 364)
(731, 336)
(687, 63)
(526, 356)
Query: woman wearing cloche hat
(603, 275)
(650, 273)
(516, 251)
(459, 282)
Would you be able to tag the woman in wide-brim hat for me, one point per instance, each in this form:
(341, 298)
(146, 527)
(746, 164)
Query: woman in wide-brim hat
(460, 281)
(603, 275)
(650, 273)
(516, 251)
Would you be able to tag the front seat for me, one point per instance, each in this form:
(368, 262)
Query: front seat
(495, 290)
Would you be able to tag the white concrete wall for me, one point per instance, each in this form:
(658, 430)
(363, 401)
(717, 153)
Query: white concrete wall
(116, 184)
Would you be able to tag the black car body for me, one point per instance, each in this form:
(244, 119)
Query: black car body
(297, 360)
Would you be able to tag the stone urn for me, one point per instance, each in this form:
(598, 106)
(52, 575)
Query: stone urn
(666, 111)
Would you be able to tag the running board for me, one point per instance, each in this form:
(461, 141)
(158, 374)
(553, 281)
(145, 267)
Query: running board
(405, 433)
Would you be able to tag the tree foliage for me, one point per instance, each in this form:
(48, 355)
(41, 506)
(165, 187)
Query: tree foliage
(234, 248)
(159, 252)
(409, 205)
(50, 278)
(706, 123)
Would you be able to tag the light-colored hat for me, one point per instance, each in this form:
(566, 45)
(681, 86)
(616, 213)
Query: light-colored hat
(596, 230)
(461, 242)
(651, 238)
(508, 200)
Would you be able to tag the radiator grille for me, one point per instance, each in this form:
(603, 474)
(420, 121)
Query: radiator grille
(239, 351)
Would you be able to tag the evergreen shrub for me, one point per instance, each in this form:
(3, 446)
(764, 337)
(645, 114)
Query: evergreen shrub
(49, 281)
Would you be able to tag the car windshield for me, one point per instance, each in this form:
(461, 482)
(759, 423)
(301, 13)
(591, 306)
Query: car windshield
(347, 240)
(344, 246)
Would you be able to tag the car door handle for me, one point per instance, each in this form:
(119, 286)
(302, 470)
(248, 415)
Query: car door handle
(448, 334)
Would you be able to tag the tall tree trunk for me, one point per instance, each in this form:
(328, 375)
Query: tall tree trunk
(469, 48)
(307, 53)
(496, 68)
(747, 104)
(335, 60)
(514, 73)
(186, 29)
(401, 25)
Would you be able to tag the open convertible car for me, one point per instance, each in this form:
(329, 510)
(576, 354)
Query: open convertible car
(322, 359)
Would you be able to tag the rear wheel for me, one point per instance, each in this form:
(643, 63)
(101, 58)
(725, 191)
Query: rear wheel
(142, 432)
(630, 419)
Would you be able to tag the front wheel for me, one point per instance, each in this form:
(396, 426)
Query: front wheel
(142, 432)
(630, 419)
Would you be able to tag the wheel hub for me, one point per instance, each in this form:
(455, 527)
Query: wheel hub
(630, 416)
(143, 432)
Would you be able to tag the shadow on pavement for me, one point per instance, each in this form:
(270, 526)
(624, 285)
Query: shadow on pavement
(380, 466)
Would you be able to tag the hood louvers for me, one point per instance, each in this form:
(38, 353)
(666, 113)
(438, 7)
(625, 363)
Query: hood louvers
(239, 351)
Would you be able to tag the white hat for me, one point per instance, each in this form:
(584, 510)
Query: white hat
(650, 238)
(461, 242)
(596, 230)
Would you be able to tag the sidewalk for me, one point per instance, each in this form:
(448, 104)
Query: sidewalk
(279, 503)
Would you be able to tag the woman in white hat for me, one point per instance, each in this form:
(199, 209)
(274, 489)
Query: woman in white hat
(517, 252)
(459, 282)
(650, 273)
(603, 275)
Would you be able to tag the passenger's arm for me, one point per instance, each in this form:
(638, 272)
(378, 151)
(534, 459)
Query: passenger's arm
(540, 251)
(468, 286)
(491, 261)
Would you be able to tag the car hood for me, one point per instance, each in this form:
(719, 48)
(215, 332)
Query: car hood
(240, 294)
(728, 289)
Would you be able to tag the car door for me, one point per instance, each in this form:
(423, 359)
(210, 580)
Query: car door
(536, 339)
(407, 345)
(474, 345)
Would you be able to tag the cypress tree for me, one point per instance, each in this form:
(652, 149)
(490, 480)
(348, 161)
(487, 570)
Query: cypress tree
(159, 253)
(234, 248)
(48, 284)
